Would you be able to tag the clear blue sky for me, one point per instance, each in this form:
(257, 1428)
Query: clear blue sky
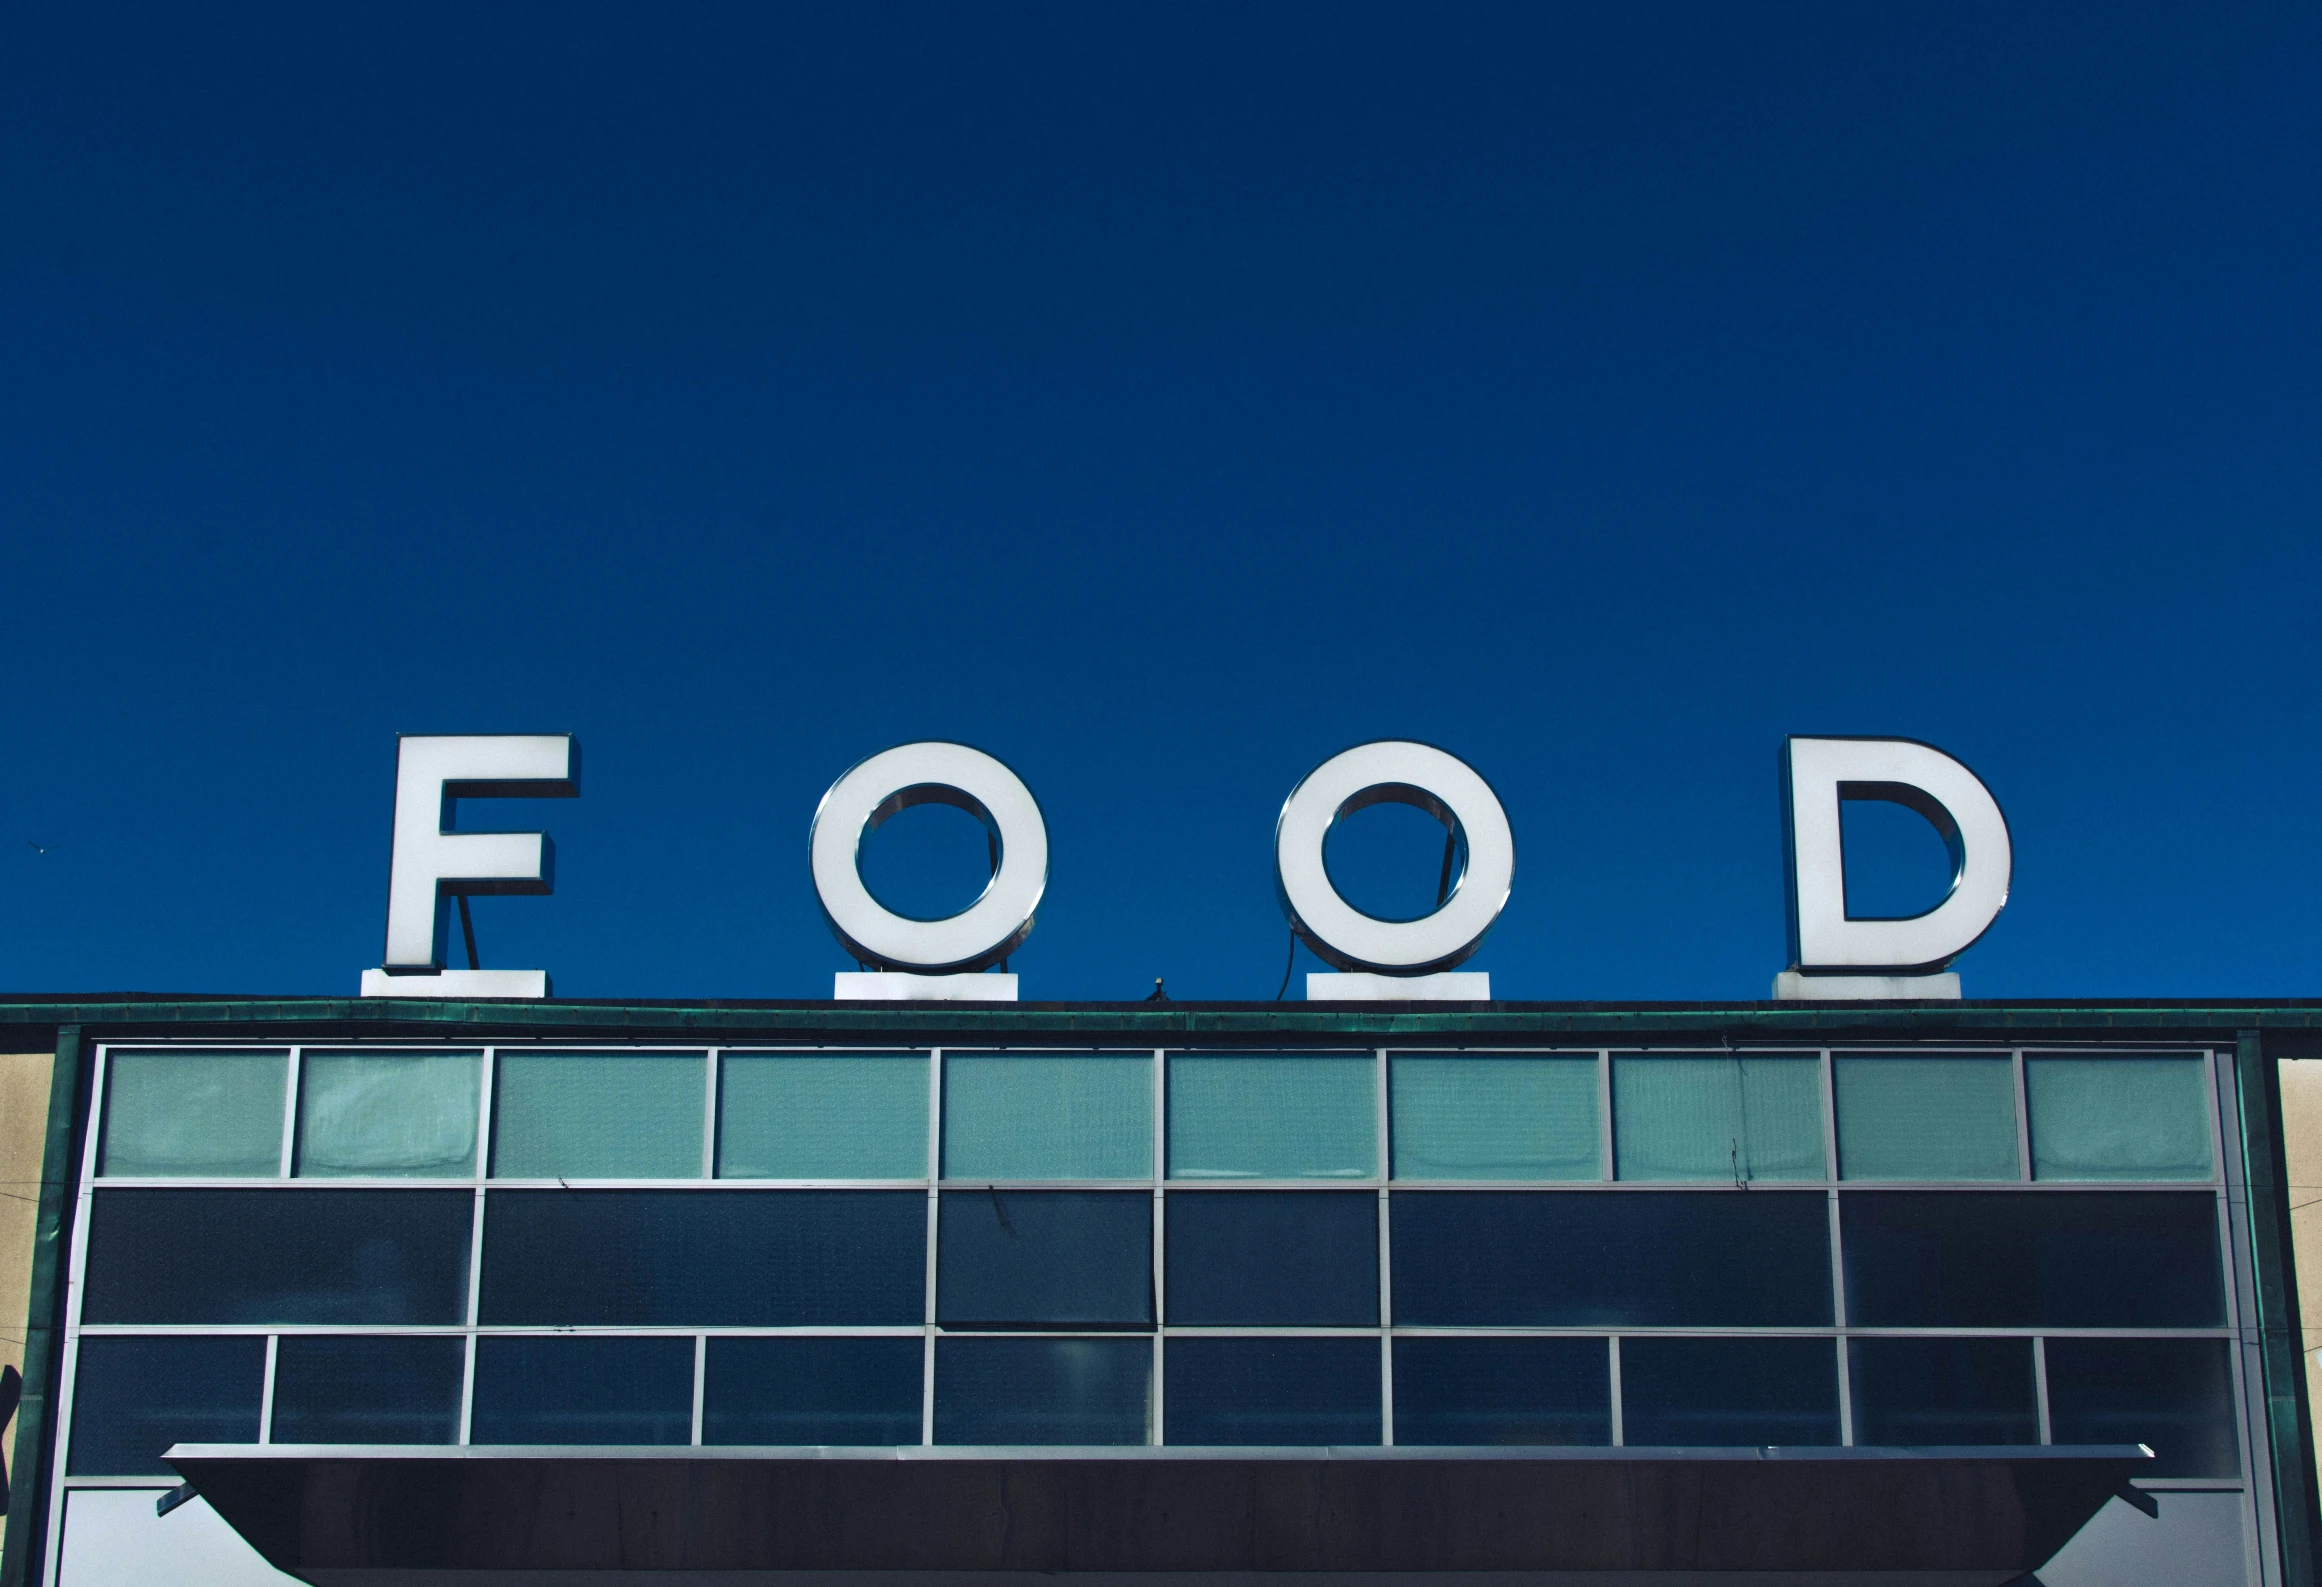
(1162, 397)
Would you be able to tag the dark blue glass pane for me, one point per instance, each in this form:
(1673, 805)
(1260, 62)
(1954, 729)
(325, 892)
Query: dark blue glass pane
(1266, 1257)
(579, 1390)
(1611, 1258)
(133, 1398)
(2174, 1394)
(1042, 1391)
(1272, 1391)
(1046, 1258)
(1943, 1391)
(812, 1391)
(279, 1256)
(1502, 1391)
(2027, 1259)
(368, 1389)
(705, 1258)
(1697, 1392)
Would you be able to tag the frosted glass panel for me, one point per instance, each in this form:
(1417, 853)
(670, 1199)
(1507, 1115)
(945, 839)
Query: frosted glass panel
(1048, 1116)
(1749, 1118)
(1494, 1118)
(402, 1115)
(1926, 1118)
(822, 1116)
(598, 1115)
(212, 1113)
(1272, 1116)
(2119, 1118)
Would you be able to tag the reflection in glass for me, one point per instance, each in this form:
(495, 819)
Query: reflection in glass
(1735, 1117)
(1915, 1118)
(1048, 1116)
(1257, 1258)
(368, 1388)
(133, 1398)
(1465, 1117)
(1693, 1258)
(1294, 1390)
(677, 1258)
(1678, 1392)
(1045, 1258)
(1943, 1391)
(578, 1389)
(1043, 1391)
(1502, 1391)
(2119, 1118)
(805, 1389)
(822, 1116)
(195, 1114)
(598, 1115)
(2173, 1394)
(1273, 1116)
(388, 1115)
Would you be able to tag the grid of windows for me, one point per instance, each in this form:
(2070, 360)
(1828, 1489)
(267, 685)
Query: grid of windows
(754, 1246)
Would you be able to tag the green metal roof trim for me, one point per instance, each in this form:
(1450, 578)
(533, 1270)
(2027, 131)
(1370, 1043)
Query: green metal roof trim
(151, 1013)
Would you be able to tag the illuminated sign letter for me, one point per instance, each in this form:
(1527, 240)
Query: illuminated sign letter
(980, 935)
(431, 864)
(1869, 957)
(1447, 788)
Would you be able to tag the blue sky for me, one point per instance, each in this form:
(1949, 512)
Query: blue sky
(1161, 397)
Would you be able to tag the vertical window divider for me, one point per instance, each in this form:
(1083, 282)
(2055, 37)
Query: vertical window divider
(290, 1115)
(1384, 1166)
(1604, 1116)
(934, 1208)
(266, 1392)
(2023, 1120)
(1829, 1072)
(480, 1169)
(76, 1268)
(2040, 1387)
(700, 1375)
(1158, 1431)
(1612, 1347)
(709, 1122)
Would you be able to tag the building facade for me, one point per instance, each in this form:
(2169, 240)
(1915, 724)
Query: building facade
(1853, 1293)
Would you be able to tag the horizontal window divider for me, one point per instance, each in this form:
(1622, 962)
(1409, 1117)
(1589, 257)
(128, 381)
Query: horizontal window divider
(1005, 1185)
(1258, 1331)
(154, 1484)
(1227, 1182)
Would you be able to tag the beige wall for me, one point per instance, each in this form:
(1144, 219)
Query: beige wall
(23, 1136)
(2302, 1150)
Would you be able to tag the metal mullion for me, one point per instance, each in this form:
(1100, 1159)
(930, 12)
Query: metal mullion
(1613, 1356)
(266, 1391)
(1157, 1431)
(1604, 1116)
(2261, 1510)
(69, 1358)
(709, 1117)
(2040, 1387)
(289, 1116)
(2023, 1120)
(1386, 1166)
(934, 1231)
(700, 1376)
(1827, 1072)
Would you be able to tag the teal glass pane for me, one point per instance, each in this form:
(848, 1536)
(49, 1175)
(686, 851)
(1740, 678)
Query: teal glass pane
(2119, 1118)
(1741, 1118)
(194, 1114)
(1272, 1116)
(1926, 1118)
(1048, 1116)
(401, 1115)
(598, 1115)
(1493, 1118)
(822, 1116)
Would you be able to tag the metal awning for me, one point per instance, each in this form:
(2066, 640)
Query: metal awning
(370, 1516)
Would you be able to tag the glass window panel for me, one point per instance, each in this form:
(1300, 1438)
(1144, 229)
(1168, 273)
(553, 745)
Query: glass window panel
(1043, 1391)
(1587, 1259)
(574, 1389)
(1273, 1391)
(2027, 1259)
(807, 1390)
(278, 1256)
(1494, 1118)
(1273, 1116)
(133, 1398)
(2173, 1394)
(822, 1116)
(188, 1115)
(410, 1115)
(598, 1115)
(1943, 1391)
(2119, 1118)
(368, 1388)
(1926, 1118)
(1502, 1391)
(1695, 1393)
(1048, 1116)
(1255, 1258)
(1045, 1258)
(729, 1258)
(1746, 1118)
